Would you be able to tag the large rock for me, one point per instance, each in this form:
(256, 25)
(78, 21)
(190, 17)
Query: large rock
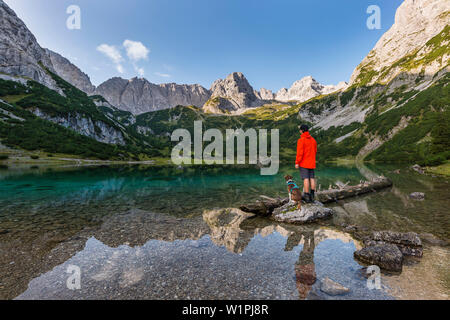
(408, 243)
(333, 288)
(138, 95)
(385, 256)
(309, 213)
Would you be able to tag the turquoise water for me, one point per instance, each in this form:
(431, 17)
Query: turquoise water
(158, 233)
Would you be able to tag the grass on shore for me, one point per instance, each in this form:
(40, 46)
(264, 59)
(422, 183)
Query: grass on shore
(443, 169)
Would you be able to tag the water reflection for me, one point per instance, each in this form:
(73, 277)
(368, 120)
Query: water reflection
(222, 255)
(155, 233)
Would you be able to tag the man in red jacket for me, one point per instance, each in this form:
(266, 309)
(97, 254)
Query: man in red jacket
(306, 162)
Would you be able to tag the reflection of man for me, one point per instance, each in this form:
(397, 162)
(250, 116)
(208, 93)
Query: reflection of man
(305, 269)
(306, 162)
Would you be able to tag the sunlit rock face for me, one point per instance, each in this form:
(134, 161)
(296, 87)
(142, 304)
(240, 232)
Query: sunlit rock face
(232, 94)
(416, 22)
(95, 129)
(305, 89)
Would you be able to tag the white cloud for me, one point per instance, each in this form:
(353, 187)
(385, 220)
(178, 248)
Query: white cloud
(164, 75)
(119, 68)
(136, 50)
(111, 52)
(114, 54)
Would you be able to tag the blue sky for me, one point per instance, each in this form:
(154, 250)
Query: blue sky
(274, 43)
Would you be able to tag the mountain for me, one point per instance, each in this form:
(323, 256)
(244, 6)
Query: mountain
(409, 45)
(395, 109)
(69, 72)
(266, 94)
(232, 94)
(20, 53)
(139, 96)
(397, 106)
(305, 89)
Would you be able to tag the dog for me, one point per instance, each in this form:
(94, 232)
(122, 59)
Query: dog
(295, 194)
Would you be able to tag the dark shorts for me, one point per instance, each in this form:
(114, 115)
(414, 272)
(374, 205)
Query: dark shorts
(307, 173)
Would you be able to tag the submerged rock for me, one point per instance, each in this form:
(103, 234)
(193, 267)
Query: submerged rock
(309, 213)
(417, 196)
(431, 239)
(418, 169)
(333, 288)
(385, 256)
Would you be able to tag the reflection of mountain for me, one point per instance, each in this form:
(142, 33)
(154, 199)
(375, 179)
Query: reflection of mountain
(23, 259)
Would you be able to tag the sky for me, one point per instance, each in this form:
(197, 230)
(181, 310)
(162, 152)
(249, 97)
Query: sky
(273, 43)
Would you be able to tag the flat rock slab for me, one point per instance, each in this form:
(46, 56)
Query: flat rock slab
(386, 256)
(308, 214)
(408, 243)
(333, 288)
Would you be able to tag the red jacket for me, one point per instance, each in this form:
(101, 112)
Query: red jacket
(306, 151)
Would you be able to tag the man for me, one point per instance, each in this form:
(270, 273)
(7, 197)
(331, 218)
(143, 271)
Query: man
(306, 162)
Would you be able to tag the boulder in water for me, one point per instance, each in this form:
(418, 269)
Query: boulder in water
(408, 243)
(385, 256)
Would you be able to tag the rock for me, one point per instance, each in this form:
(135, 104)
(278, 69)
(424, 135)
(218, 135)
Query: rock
(385, 256)
(417, 196)
(308, 214)
(138, 95)
(264, 207)
(333, 288)
(418, 169)
(408, 243)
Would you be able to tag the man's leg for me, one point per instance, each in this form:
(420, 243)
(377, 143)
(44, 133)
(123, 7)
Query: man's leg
(313, 184)
(306, 185)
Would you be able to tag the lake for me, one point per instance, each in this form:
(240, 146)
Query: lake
(141, 232)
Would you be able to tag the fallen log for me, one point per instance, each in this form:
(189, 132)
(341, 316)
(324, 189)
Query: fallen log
(266, 206)
(334, 195)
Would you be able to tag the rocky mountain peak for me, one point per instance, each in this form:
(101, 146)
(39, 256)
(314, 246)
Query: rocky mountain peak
(235, 91)
(138, 95)
(69, 72)
(416, 22)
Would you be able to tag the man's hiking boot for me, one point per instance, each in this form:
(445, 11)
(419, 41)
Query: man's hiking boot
(307, 197)
(313, 196)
